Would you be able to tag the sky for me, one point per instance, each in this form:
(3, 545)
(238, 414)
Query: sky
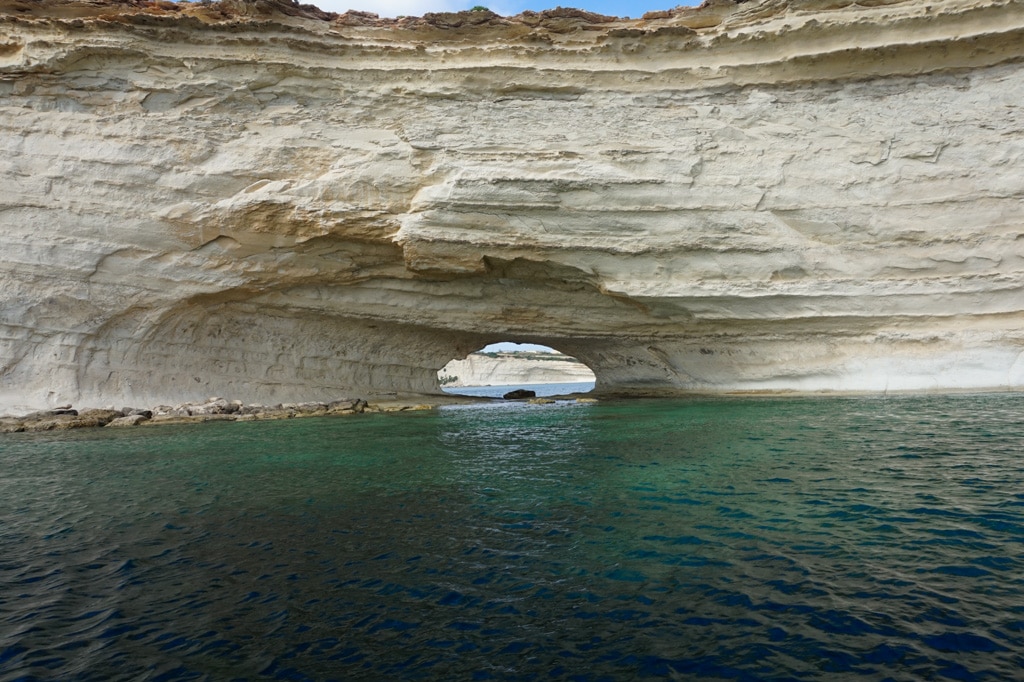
(394, 8)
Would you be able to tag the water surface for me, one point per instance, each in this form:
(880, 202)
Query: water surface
(540, 389)
(733, 539)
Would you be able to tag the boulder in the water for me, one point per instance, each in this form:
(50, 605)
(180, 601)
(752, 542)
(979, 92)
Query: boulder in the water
(519, 393)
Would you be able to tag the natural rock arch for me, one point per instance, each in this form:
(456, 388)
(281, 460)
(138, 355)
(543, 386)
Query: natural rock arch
(505, 364)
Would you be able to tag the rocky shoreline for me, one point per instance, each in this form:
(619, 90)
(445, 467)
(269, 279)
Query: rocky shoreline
(67, 417)
(213, 409)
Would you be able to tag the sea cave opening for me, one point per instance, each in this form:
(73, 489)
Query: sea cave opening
(500, 368)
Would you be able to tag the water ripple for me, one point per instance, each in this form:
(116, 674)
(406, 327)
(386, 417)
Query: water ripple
(752, 540)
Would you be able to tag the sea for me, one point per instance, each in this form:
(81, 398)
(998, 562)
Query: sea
(825, 538)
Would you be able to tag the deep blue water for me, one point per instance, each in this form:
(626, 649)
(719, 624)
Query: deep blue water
(765, 539)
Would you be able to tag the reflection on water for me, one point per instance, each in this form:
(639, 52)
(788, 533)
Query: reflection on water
(757, 539)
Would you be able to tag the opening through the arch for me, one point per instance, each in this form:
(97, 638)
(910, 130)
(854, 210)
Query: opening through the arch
(499, 368)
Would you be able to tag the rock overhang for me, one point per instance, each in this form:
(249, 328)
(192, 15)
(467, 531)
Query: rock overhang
(257, 200)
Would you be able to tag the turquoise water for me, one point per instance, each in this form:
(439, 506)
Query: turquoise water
(731, 539)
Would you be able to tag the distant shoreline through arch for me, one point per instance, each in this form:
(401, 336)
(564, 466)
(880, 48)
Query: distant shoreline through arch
(499, 368)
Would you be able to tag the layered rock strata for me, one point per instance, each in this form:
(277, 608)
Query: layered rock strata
(261, 200)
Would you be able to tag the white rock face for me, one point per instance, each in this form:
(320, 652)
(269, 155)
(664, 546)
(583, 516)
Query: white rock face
(249, 201)
(484, 370)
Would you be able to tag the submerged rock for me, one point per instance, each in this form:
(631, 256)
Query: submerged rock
(519, 394)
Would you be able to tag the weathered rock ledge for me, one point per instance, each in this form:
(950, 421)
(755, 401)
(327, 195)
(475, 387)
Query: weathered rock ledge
(65, 417)
(262, 200)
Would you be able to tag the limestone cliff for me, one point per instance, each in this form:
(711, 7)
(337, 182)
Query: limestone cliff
(509, 369)
(259, 200)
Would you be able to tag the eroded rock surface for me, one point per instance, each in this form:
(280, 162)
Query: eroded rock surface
(262, 200)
